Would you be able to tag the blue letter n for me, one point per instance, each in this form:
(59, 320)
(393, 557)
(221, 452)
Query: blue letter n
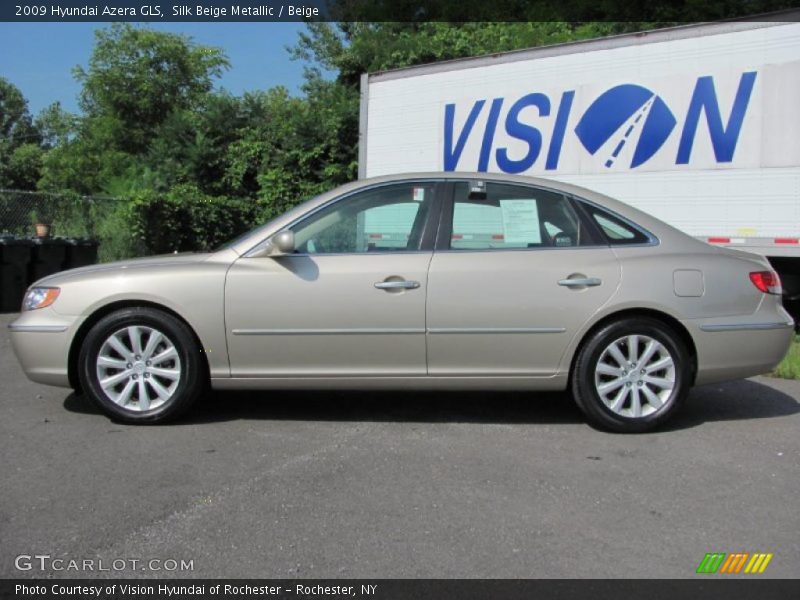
(724, 138)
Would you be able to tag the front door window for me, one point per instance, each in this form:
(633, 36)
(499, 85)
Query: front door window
(383, 219)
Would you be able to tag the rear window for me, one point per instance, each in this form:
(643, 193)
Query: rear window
(615, 230)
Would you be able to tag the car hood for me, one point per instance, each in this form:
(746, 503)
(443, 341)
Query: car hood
(164, 260)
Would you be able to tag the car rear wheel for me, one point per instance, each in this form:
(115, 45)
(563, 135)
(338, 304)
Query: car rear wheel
(631, 375)
(141, 365)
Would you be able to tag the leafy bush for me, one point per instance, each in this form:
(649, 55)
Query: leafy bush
(113, 232)
(106, 220)
(185, 219)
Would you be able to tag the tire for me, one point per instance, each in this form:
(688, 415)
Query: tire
(154, 383)
(616, 397)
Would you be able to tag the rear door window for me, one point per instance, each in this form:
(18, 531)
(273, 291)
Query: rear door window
(502, 216)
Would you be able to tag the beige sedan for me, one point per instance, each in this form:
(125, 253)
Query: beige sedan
(436, 281)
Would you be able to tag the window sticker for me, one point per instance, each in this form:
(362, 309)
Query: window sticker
(419, 194)
(521, 221)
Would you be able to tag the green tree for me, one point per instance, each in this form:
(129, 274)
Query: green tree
(139, 77)
(89, 161)
(24, 167)
(19, 139)
(56, 126)
(138, 85)
(192, 146)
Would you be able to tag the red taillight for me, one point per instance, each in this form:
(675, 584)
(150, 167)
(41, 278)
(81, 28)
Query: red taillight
(766, 281)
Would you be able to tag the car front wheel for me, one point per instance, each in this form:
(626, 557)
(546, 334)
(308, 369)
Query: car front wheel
(631, 375)
(141, 365)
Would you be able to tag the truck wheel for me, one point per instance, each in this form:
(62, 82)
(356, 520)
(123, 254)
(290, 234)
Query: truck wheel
(631, 375)
(141, 365)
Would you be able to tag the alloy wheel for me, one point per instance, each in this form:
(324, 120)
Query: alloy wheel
(138, 368)
(635, 376)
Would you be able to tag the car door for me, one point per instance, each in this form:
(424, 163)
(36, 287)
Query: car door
(349, 302)
(515, 274)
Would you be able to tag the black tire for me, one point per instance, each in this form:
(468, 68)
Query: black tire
(587, 397)
(191, 383)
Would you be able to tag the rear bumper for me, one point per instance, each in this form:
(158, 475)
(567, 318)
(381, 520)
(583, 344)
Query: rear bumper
(41, 340)
(738, 347)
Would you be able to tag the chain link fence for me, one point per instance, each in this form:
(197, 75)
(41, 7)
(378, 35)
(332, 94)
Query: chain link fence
(104, 219)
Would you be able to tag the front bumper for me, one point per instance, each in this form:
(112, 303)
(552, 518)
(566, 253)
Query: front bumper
(41, 339)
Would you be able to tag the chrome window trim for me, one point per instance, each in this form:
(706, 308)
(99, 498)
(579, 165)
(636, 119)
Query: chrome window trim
(333, 201)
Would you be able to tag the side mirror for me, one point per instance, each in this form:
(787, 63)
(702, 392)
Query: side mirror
(280, 244)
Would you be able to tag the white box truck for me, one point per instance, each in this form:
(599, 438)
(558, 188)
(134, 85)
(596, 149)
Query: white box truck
(698, 125)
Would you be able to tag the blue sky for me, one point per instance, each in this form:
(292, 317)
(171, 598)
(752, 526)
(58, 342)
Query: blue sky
(38, 57)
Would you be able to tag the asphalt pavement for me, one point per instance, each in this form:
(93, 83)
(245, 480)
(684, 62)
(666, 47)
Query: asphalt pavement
(346, 484)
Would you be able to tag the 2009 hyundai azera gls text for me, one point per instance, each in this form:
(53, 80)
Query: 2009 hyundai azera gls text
(435, 281)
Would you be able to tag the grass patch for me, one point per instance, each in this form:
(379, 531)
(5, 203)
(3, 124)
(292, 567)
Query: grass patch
(790, 367)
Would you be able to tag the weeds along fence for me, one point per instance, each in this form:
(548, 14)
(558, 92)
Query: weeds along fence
(103, 219)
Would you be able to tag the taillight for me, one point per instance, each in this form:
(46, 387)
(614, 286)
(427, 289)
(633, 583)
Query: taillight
(767, 281)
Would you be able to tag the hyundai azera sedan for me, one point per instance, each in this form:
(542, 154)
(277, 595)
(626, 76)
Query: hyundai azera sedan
(422, 281)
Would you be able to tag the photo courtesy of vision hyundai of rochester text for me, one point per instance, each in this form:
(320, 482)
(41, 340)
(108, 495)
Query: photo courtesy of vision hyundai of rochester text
(418, 281)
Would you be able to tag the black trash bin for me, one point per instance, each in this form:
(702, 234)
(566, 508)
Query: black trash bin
(47, 257)
(81, 252)
(15, 255)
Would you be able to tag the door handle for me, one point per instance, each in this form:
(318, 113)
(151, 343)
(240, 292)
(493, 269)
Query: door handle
(581, 282)
(397, 285)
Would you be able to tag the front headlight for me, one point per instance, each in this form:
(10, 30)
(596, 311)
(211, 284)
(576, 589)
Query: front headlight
(39, 297)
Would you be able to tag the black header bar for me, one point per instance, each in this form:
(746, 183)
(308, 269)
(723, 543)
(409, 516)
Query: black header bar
(654, 11)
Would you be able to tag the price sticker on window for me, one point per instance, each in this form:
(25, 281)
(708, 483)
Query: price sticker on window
(521, 221)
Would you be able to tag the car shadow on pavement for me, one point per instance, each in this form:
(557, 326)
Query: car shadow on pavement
(738, 400)
(366, 406)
